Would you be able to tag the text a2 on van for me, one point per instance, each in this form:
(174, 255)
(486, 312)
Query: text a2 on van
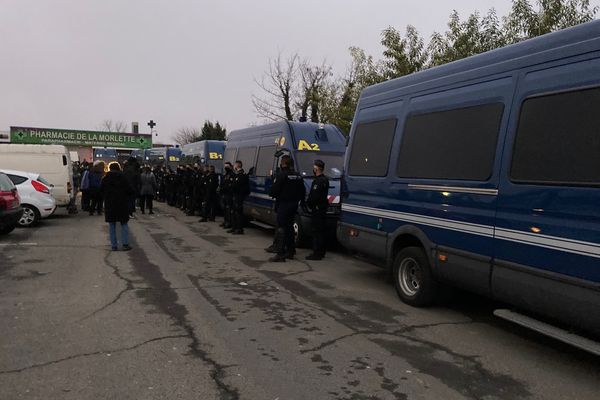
(53, 162)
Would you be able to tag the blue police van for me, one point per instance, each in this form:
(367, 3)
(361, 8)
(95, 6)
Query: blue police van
(260, 148)
(107, 155)
(159, 156)
(207, 152)
(485, 174)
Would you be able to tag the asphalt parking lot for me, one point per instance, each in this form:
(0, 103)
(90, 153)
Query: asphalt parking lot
(194, 313)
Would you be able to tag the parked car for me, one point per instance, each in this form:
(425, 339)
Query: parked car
(10, 205)
(53, 161)
(36, 196)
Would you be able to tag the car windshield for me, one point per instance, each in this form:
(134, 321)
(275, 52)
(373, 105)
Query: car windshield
(334, 163)
(6, 184)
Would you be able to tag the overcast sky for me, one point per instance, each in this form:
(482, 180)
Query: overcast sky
(74, 63)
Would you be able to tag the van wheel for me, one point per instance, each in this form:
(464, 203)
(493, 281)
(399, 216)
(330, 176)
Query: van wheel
(300, 237)
(31, 216)
(413, 279)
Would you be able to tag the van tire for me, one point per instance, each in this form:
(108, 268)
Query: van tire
(31, 216)
(413, 279)
(300, 236)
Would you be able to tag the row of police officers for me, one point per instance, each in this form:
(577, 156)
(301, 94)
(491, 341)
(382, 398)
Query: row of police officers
(198, 190)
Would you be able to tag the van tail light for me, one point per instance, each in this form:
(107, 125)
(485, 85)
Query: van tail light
(40, 187)
(69, 187)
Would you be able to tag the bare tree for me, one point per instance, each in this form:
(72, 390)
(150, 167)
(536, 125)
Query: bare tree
(108, 125)
(314, 83)
(277, 86)
(187, 135)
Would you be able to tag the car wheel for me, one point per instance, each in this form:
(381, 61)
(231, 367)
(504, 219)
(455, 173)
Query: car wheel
(30, 217)
(300, 237)
(413, 279)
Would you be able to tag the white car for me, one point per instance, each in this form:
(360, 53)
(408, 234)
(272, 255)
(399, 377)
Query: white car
(36, 196)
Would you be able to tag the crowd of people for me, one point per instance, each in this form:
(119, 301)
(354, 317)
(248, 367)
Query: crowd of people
(199, 191)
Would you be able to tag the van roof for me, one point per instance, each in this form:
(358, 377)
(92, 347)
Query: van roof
(576, 40)
(33, 148)
(281, 126)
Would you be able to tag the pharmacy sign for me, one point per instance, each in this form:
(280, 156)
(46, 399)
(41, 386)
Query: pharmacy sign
(69, 137)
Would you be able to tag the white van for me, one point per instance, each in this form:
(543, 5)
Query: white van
(51, 161)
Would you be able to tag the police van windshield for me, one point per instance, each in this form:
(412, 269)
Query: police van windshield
(325, 138)
(334, 163)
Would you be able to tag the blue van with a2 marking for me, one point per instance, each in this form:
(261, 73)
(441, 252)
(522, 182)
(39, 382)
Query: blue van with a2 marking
(260, 147)
(485, 174)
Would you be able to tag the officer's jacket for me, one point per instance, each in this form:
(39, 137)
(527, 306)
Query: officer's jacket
(211, 183)
(288, 186)
(226, 183)
(240, 186)
(317, 197)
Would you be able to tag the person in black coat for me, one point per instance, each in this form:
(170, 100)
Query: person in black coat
(288, 191)
(133, 173)
(226, 195)
(211, 184)
(318, 204)
(117, 192)
(240, 189)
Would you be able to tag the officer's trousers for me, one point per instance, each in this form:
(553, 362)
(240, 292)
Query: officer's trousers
(319, 231)
(284, 240)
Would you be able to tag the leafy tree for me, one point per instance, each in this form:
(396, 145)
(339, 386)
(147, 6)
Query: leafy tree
(525, 22)
(402, 56)
(212, 131)
(466, 38)
(297, 88)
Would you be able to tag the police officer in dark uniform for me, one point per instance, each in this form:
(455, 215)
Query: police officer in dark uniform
(188, 190)
(288, 191)
(197, 189)
(171, 187)
(226, 195)
(318, 203)
(179, 186)
(211, 184)
(240, 189)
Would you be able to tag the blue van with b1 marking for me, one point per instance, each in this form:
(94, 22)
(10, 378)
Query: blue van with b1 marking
(259, 148)
(207, 152)
(485, 174)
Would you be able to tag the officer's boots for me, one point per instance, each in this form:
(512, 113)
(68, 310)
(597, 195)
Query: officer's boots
(279, 246)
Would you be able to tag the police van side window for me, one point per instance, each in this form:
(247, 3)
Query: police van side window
(558, 140)
(371, 147)
(266, 158)
(246, 156)
(230, 154)
(455, 144)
